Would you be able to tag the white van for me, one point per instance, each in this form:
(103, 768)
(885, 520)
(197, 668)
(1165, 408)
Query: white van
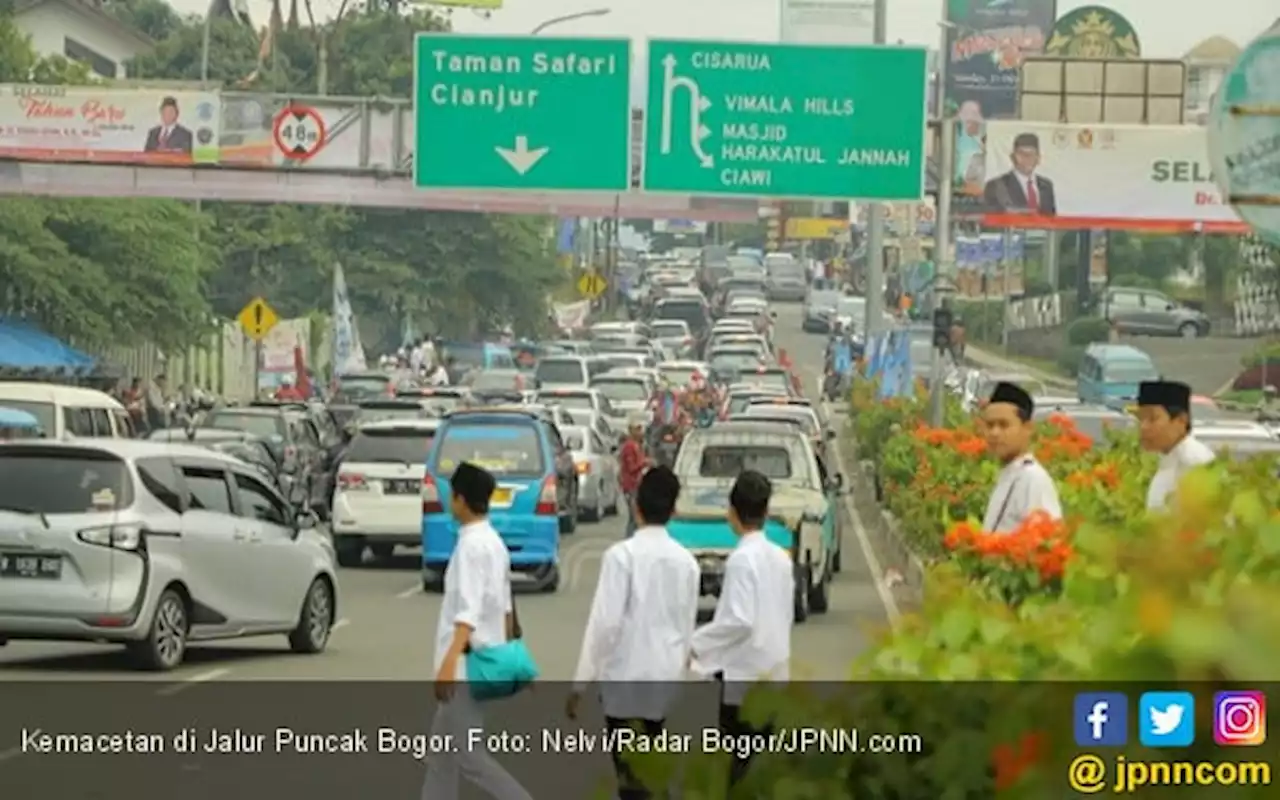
(65, 411)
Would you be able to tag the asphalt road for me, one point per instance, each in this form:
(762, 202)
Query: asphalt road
(386, 622)
(1206, 365)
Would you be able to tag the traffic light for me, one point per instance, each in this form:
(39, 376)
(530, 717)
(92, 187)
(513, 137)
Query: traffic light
(942, 320)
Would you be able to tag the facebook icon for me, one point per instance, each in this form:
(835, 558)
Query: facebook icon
(1102, 718)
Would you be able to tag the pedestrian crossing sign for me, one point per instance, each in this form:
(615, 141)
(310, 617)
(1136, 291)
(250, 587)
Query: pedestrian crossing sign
(257, 319)
(592, 285)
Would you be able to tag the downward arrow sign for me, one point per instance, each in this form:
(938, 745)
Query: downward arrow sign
(521, 158)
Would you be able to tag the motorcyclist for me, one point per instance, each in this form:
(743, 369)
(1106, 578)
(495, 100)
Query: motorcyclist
(699, 403)
(664, 414)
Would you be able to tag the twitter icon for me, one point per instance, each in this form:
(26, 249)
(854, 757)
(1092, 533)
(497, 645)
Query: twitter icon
(1167, 719)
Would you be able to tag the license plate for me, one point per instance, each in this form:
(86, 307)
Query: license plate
(14, 565)
(401, 487)
(501, 497)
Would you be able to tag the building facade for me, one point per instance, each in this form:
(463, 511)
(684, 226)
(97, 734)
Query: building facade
(80, 31)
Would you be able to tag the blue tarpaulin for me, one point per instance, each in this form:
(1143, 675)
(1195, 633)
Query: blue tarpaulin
(21, 345)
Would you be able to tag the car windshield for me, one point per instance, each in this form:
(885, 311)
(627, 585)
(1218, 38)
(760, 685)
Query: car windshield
(690, 311)
(390, 446)
(567, 401)
(1129, 373)
(678, 376)
(66, 482)
(363, 384)
(560, 371)
(375, 414)
(44, 413)
(504, 450)
(730, 360)
(767, 378)
(621, 390)
(502, 381)
(266, 426)
(669, 329)
(730, 461)
(776, 414)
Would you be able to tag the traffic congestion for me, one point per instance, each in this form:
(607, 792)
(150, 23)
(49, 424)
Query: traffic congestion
(710, 371)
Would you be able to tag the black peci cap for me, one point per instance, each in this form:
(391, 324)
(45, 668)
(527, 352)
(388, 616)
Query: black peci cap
(1014, 395)
(1169, 395)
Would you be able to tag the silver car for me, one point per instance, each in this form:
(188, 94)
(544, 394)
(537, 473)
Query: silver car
(674, 336)
(597, 467)
(627, 393)
(154, 545)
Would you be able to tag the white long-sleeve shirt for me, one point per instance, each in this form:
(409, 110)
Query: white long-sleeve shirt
(1023, 487)
(749, 638)
(1185, 456)
(477, 592)
(641, 625)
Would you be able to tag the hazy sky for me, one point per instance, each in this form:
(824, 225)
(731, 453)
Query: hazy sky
(1164, 32)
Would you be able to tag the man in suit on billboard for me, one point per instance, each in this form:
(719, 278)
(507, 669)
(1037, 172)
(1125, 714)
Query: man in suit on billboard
(1021, 189)
(169, 136)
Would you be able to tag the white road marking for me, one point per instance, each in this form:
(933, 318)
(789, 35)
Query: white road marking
(412, 591)
(340, 624)
(198, 678)
(864, 541)
(12, 752)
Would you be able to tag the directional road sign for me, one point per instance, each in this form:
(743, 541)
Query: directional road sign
(592, 285)
(521, 112)
(257, 318)
(784, 120)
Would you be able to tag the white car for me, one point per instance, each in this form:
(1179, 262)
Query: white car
(597, 468)
(153, 545)
(628, 393)
(682, 373)
(377, 500)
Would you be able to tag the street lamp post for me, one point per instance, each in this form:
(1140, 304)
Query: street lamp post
(594, 12)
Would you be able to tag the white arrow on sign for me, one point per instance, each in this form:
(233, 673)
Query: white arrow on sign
(521, 158)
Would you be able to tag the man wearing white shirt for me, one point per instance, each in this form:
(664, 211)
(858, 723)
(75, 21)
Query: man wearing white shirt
(749, 638)
(438, 375)
(1023, 485)
(638, 634)
(476, 612)
(1164, 427)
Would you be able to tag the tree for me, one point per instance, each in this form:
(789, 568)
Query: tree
(98, 271)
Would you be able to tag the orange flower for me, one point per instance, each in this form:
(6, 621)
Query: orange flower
(1011, 762)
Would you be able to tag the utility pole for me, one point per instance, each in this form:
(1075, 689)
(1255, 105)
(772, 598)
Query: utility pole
(942, 267)
(875, 226)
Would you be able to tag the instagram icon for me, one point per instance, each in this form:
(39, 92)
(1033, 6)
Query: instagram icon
(1239, 718)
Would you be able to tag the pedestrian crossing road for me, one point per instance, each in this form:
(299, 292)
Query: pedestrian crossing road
(386, 622)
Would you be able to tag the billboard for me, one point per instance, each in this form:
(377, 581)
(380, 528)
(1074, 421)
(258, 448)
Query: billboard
(986, 44)
(85, 123)
(1134, 177)
(828, 21)
(1093, 32)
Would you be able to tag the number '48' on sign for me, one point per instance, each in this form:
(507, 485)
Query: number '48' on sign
(299, 132)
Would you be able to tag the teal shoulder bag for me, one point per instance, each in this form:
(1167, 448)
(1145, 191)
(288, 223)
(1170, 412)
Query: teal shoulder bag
(501, 670)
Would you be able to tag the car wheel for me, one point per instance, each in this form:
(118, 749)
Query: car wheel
(1188, 330)
(569, 521)
(802, 594)
(383, 552)
(316, 620)
(350, 550)
(819, 596)
(612, 509)
(166, 642)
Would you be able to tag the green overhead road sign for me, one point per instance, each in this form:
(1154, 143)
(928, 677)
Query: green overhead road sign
(780, 120)
(521, 112)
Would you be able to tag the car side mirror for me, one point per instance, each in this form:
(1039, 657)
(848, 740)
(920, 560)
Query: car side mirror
(306, 519)
(831, 435)
(1170, 306)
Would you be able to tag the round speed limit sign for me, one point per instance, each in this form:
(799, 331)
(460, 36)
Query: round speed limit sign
(299, 132)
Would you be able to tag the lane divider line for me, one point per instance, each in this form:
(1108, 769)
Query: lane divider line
(12, 752)
(339, 625)
(194, 680)
(412, 591)
(890, 603)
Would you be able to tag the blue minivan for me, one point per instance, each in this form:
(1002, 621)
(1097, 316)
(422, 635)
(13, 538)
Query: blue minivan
(523, 453)
(1109, 374)
(480, 355)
